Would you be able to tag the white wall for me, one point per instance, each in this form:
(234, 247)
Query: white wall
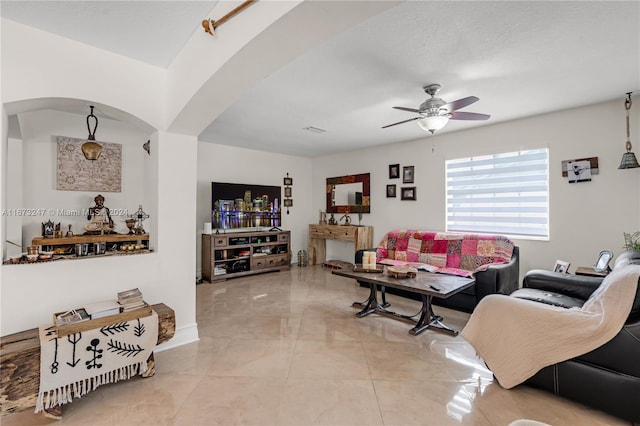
(39, 148)
(220, 163)
(584, 218)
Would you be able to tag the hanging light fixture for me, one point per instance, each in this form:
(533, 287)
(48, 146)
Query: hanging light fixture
(90, 148)
(433, 123)
(629, 160)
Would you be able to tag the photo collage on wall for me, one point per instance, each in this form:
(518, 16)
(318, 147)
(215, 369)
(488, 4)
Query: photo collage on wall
(407, 173)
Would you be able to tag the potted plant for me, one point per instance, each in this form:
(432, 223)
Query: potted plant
(632, 241)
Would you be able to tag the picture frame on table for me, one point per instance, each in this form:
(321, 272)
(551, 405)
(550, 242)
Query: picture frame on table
(561, 267)
(407, 174)
(408, 193)
(391, 191)
(394, 171)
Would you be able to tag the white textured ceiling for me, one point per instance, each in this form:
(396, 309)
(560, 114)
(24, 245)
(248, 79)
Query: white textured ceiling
(521, 58)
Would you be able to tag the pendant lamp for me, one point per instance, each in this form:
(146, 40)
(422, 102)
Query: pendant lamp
(629, 160)
(90, 148)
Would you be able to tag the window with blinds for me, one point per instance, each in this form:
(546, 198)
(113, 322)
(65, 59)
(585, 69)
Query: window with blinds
(501, 193)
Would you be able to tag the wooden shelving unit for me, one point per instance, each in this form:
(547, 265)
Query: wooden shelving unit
(237, 254)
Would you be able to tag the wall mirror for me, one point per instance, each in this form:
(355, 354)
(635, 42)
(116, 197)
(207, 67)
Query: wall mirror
(349, 194)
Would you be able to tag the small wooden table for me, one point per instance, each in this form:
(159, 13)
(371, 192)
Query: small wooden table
(362, 237)
(427, 284)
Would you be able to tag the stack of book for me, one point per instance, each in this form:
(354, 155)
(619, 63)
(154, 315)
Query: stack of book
(102, 309)
(130, 300)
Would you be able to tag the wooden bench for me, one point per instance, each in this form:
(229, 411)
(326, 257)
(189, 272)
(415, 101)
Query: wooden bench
(20, 362)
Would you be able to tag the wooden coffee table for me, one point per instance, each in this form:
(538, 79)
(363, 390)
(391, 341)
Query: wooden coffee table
(428, 285)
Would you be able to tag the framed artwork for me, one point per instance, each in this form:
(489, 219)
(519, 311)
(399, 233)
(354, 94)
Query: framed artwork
(569, 167)
(75, 173)
(391, 191)
(562, 267)
(408, 193)
(407, 174)
(288, 202)
(288, 181)
(394, 171)
(287, 192)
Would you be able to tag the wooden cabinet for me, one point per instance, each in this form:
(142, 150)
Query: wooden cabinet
(244, 253)
(362, 237)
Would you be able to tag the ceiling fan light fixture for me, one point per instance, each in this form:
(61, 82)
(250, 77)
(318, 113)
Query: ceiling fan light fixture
(434, 123)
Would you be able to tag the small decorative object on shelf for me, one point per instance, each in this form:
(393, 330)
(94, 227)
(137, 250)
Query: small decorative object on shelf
(139, 217)
(332, 220)
(101, 222)
(288, 199)
(48, 229)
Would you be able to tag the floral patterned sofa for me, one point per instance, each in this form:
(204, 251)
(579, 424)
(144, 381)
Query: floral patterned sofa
(492, 259)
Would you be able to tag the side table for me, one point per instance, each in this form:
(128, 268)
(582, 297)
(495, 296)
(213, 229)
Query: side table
(584, 270)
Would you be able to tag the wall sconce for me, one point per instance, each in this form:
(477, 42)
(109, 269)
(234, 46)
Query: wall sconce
(629, 160)
(90, 148)
(288, 199)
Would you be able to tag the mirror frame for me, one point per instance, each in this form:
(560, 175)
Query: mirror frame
(353, 208)
(606, 255)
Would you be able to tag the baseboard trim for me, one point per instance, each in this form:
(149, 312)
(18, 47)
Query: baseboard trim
(183, 336)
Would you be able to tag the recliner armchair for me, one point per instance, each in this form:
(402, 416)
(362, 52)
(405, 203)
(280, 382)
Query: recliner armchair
(607, 378)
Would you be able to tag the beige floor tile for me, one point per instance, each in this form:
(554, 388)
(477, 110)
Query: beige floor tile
(233, 401)
(426, 402)
(320, 359)
(286, 349)
(329, 402)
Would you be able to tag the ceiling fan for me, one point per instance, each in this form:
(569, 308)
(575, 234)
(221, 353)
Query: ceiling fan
(435, 112)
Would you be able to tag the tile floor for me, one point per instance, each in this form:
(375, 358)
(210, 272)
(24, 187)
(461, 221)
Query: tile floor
(286, 349)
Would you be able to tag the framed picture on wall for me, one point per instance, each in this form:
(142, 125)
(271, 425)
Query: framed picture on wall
(407, 174)
(408, 193)
(394, 171)
(287, 192)
(391, 191)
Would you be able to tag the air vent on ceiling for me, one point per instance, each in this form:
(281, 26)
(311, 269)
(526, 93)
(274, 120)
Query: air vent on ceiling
(314, 129)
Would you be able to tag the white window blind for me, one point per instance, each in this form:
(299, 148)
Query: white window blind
(501, 193)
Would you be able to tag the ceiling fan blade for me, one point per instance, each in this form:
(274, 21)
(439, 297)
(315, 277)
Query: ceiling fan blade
(408, 109)
(458, 115)
(400, 122)
(461, 103)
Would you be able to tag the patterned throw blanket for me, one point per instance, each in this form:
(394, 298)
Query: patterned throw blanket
(71, 366)
(444, 252)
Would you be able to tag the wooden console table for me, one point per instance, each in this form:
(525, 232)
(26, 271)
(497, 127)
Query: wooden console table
(362, 237)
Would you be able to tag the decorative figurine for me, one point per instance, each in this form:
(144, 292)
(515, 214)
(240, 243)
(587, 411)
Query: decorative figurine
(101, 221)
(332, 220)
(69, 232)
(48, 229)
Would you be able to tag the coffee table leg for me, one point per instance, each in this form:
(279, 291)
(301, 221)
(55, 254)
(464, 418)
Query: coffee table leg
(371, 302)
(363, 304)
(434, 321)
